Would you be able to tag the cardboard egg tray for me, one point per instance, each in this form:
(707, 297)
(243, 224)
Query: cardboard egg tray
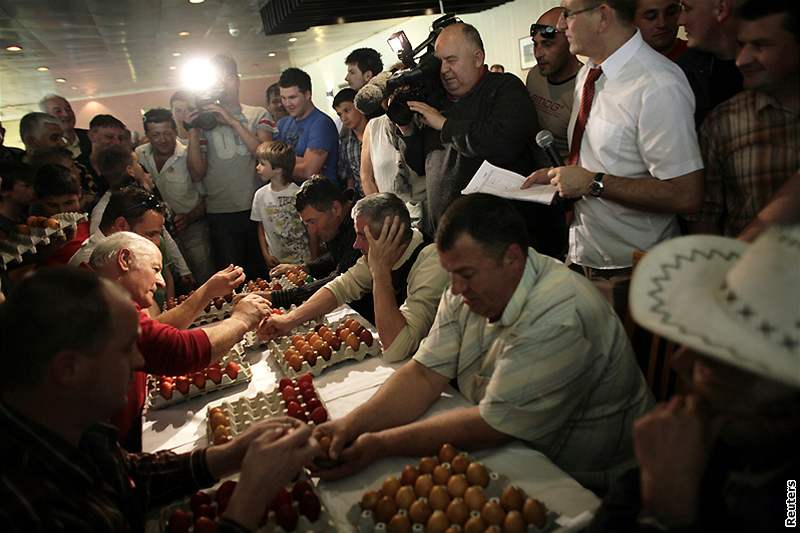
(156, 401)
(345, 352)
(18, 244)
(246, 411)
(365, 521)
(323, 523)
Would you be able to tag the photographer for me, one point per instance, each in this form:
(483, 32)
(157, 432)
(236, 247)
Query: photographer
(486, 116)
(230, 174)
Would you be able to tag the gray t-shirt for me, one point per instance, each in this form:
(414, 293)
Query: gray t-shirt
(230, 180)
(553, 103)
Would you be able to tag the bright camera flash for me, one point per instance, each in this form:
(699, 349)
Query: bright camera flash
(199, 75)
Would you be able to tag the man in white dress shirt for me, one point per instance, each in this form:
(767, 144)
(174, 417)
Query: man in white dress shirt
(634, 159)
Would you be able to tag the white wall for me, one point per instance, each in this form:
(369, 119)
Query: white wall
(500, 29)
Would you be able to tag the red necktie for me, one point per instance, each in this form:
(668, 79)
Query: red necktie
(583, 115)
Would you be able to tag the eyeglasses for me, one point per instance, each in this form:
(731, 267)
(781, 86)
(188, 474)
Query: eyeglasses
(151, 202)
(568, 13)
(545, 30)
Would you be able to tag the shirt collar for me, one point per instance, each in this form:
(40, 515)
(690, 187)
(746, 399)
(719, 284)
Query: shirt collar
(416, 239)
(530, 275)
(614, 63)
(763, 101)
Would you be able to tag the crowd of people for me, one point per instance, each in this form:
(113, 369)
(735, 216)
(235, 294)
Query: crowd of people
(685, 150)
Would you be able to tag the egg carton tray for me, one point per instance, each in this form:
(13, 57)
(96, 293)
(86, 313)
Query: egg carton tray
(365, 521)
(156, 401)
(344, 351)
(243, 412)
(18, 244)
(324, 523)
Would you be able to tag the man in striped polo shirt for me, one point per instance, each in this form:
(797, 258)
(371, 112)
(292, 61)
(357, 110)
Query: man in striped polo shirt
(534, 346)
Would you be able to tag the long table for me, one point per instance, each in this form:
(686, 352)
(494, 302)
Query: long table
(342, 388)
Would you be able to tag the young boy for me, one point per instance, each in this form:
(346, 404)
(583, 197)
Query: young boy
(282, 236)
(58, 191)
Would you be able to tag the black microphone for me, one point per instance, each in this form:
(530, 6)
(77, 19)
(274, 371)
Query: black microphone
(545, 141)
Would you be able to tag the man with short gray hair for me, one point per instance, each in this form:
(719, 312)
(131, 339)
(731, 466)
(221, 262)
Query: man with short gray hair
(134, 263)
(398, 267)
(39, 131)
(77, 139)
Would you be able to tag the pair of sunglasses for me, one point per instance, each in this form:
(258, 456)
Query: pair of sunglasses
(545, 30)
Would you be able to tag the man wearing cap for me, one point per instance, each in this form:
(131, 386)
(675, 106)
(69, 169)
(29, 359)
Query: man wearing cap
(551, 83)
(723, 456)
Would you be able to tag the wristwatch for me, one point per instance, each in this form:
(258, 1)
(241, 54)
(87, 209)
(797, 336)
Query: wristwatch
(596, 187)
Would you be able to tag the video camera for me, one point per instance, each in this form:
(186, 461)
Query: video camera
(206, 120)
(419, 80)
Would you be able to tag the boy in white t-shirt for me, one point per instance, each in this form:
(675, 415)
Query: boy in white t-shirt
(282, 235)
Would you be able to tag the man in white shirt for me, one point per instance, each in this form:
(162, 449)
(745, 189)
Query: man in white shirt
(174, 168)
(634, 159)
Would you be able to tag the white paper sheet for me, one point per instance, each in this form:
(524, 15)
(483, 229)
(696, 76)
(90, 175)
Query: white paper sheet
(506, 184)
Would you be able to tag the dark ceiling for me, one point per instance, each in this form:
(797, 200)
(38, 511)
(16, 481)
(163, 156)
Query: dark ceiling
(288, 16)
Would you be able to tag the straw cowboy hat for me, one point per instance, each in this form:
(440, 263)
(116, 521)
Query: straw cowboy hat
(736, 302)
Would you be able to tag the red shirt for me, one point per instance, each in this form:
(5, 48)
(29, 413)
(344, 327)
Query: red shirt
(65, 253)
(167, 351)
(678, 48)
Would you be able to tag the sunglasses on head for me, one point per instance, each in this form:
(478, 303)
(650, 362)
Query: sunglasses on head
(545, 30)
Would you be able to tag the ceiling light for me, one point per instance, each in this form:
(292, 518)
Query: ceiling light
(292, 39)
(61, 80)
(183, 34)
(172, 67)
(340, 20)
(74, 87)
(271, 54)
(42, 69)
(176, 54)
(429, 11)
(196, 1)
(14, 48)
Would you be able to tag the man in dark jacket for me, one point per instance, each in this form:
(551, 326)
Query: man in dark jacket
(486, 116)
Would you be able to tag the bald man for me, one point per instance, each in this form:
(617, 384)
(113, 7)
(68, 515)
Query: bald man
(658, 22)
(486, 116)
(551, 83)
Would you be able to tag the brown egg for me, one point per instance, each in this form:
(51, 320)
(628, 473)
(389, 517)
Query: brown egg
(222, 434)
(353, 341)
(437, 523)
(350, 323)
(327, 336)
(427, 464)
(218, 418)
(366, 337)
(317, 343)
(311, 357)
(477, 475)
(385, 509)
(493, 529)
(314, 338)
(512, 498)
(453, 529)
(325, 351)
(420, 511)
(309, 335)
(457, 485)
(400, 523)
(423, 485)
(514, 523)
(441, 473)
(335, 343)
(493, 514)
(369, 500)
(439, 498)
(534, 512)
(297, 339)
(323, 329)
(459, 464)
(475, 498)
(446, 453)
(405, 497)
(390, 486)
(296, 362)
(306, 352)
(343, 333)
(409, 475)
(457, 512)
(475, 524)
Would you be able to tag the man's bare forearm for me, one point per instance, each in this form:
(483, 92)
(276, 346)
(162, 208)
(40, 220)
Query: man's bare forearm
(683, 194)
(224, 335)
(388, 319)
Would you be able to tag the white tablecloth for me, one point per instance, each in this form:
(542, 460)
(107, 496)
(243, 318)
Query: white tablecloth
(344, 387)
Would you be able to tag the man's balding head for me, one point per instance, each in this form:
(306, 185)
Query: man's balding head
(460, 48)
(550, 17)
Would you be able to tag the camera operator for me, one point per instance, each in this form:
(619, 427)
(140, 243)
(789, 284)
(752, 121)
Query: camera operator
(230, 174)
(486, 116)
